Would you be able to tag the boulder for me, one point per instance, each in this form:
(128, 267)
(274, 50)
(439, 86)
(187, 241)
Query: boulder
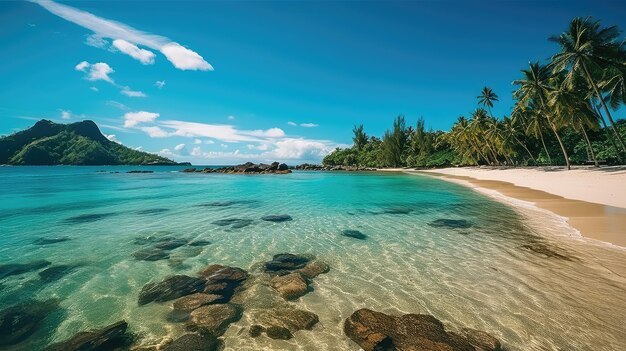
(53, 273)
(170, 288)
(18, 322)
(277, 218)
(199, 243)
(193, 342)
(193, 301)
(112, 337)
(256, 330)
(355, 234)
(276, 332)
(290, 286)
(377, 331)
(285, 317)
(481, 340)
(313, 269)
(214, 319)
(219, 273)
(286, 262)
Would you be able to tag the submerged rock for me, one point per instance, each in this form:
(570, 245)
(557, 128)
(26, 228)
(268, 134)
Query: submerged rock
(277, 218)
(256, 330)
(351, 233)
(193, 342)
(112, 337)
(90, 217)
(214, 319)
(152, 211)
(193, 301)
(313, 269)
(21, 268)
(199, 243)
(450, 223)
(286, 262)
(170, 288)
(233, 222)
(281, 319)
(290, 286)
(18, 322)
(377, 331)
(276, 332)
(222, 280)
(53, 273)
(152, 254)
(48, 241)
(397, 210)
(171, 244)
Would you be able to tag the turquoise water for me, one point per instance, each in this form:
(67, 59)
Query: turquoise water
(494, 276)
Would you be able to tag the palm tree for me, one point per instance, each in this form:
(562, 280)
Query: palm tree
(487, 98)
(510, 131)
(587, 48)
(478, 126)
(532, 122)
(534, 89)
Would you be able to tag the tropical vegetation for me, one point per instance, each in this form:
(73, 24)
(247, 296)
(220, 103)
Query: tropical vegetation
(559, 117)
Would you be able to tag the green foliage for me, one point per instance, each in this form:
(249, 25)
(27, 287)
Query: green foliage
(81, 143)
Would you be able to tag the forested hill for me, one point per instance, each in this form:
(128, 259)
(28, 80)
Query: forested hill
(80, 143)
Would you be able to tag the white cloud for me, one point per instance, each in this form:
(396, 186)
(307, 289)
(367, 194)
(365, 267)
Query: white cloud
(222, 132)
(96, 71)
(139, 148)
(131, 119)
(155, 132)
(309, 125)
(116, 104)
(300, 148)
(96, 41)
(181, 57)
(231, 117)
(269, 133)
(197, 141)
(224, 146)
(146, 57)
(128, 92)
(179, 147)
(94, 89)
(65, 114)
(165, 152)
(209, 142)
(292, 123)
(196, 151)
(159, 84)
(112, 138)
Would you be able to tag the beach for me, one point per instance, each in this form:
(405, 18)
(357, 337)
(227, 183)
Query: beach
(592, 200)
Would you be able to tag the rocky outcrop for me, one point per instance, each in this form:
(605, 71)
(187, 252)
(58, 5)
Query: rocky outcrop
(171, 288)
(18, 322)
(313, 167)
(277, 218)
(282, 322)
(286, 262)
(377, 331)
(355, 234)
(246, 168)
(112, 337)
(10, 269)
(193, 342)
(191, 302)
(290, 286)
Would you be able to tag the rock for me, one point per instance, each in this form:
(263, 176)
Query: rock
(233, 222)
(152, 211)
(90, 217)
(21, 268)
(218, 273)
(397, 210)
(170, 288)
(283, 167)
(171, 244)
(48, 241)
(152, 254)
(377, 331)
(112, 337)
(188, 170)
(199, 243)
(18, 322)
(213, 319)
(286, 262)
(286, 317)
(277, 218)
(256, 330)
(481, 340)
(450, 223)
(53, 273)
(193, 342)
(139, 171)
(193, 301)
(313, 269)
(354, 234)
(248, 168)
(276, 332)
(290, 286)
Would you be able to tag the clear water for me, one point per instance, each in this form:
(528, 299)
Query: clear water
(481, 277)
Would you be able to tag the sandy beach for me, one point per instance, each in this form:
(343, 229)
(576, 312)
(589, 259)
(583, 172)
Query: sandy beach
(592, 200)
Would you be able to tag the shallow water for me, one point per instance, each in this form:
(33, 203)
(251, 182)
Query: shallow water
(533, 287)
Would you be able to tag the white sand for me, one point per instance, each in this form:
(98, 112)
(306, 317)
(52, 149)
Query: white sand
(606, 185)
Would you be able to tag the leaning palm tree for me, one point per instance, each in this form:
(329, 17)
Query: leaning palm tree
(487, 98)
(533, 90)
(510, 132)
(533, 124)
(588, 48)
(478, 126)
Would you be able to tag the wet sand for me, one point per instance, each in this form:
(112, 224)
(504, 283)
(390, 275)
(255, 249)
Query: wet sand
(593, 220)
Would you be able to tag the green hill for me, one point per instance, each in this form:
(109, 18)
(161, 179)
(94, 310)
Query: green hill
(80, 143)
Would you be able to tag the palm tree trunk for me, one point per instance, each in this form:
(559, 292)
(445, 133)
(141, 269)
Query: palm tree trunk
(606, 109)
(562, 146)
(593, 155)
(479, 152)
(544, 147)
(525, 148)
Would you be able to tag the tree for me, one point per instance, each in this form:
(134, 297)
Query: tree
(359, 138)
(394, 143)
(487, 98)
(588, 48)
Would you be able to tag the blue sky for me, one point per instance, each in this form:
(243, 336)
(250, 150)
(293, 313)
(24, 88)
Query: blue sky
(223, 82)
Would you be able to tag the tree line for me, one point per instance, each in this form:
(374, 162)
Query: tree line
(559, 117)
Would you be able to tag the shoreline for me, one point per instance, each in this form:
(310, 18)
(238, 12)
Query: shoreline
(592, 220)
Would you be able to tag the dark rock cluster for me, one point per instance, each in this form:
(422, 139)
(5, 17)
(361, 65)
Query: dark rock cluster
(246, 168)
(314, 167)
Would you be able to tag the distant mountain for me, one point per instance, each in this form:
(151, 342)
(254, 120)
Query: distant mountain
(80, 143)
